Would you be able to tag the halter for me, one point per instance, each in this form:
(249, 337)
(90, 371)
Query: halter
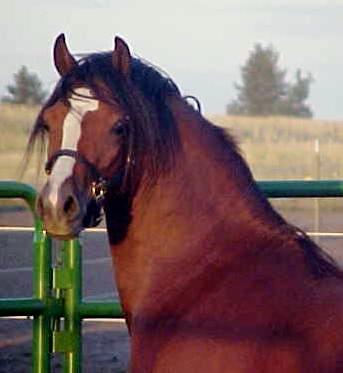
(99, 184)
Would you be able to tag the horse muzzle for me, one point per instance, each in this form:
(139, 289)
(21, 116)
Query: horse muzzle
(62, 209)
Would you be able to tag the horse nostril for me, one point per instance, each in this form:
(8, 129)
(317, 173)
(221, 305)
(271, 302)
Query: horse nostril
(70, 206)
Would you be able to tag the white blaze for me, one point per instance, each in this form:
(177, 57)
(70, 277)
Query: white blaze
(80, 103)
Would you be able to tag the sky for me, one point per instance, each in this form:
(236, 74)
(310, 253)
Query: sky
(200, 44)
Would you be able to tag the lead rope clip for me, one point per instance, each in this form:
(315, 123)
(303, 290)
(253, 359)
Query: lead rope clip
(98, 190)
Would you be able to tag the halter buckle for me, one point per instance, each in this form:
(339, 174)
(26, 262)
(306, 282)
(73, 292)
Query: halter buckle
(98, 190)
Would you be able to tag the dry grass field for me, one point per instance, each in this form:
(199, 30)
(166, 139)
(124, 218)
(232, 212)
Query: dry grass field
(284, 148)
(275, 147)
(15, 125)
(280, 148)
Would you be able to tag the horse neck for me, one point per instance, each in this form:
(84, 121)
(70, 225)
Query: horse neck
(215, 179)
(192, 217)
(210, 188)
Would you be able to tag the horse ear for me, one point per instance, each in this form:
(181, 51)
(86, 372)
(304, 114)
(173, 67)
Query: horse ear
(121, 57)
(64, 61)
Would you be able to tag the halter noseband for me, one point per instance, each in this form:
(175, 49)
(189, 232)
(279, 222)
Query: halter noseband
(69, 153)
(99, 185)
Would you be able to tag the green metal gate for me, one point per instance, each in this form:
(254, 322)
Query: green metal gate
(57, 290)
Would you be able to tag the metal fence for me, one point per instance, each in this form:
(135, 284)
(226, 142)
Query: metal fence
(57, 305)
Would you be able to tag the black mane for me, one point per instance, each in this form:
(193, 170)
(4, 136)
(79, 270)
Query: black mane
(99, 67)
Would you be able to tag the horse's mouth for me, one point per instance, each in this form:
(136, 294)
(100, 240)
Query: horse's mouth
(63, 231)
(64, 237)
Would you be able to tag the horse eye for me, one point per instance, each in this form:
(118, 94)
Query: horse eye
(118, 128)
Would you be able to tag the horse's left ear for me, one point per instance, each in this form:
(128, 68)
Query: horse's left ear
(121, 57)
(64, 61)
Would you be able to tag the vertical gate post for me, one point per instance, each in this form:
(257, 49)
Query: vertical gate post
(42, 335)
(73, 296)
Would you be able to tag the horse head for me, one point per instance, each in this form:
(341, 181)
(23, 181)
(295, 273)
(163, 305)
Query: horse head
(86, 129)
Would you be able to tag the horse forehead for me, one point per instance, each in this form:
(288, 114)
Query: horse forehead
(82, 100)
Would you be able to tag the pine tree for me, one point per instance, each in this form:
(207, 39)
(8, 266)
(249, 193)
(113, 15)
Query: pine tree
(27, 89)
(297, 95)
(264, 90)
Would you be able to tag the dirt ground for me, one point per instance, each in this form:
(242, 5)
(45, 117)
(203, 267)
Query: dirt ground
(105, 347)
(105, 344)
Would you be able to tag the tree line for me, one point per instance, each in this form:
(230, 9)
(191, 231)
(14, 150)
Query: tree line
(263, 89)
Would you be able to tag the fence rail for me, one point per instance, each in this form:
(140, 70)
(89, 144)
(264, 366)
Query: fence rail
(57, 289)
(103, 230)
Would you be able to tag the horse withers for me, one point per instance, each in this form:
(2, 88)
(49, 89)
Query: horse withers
(210, 277)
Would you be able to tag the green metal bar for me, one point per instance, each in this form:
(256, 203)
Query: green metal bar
(302, 189)
(21, 307)
(41, 279)
(13, 189)
(273, 189)
(72, 297)
(42, 282)
(100, 310)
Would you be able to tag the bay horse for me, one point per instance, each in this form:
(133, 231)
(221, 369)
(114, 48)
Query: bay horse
(210, 277)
